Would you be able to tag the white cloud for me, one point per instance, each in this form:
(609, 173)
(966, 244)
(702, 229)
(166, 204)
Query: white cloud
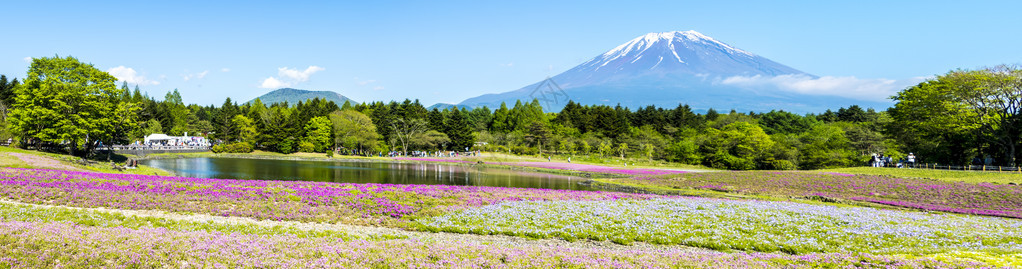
(225, 70)
(300, 76)
(850, 87)
(199, 75)
(377, 88)
(27, 59)
(129, 75)
(288, 77)
(366, 82)
(273, 83)
(508, 64)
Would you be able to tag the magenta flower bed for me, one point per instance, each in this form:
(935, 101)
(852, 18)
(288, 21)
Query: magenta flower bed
(599, 169)
(433, 160)
(277, 200)
(565, 166)
(957, 197)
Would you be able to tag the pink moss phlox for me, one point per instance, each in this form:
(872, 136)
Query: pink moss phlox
(958, 197)
(263, 199)
(598, 168)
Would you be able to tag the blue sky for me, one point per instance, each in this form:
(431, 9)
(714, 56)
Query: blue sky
(452, 50)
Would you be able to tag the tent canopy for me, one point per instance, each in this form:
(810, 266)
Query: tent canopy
(157, 137)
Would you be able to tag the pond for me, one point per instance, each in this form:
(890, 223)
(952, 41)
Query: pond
(364, 172)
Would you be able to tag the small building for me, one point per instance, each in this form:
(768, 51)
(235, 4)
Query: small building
(166, 140)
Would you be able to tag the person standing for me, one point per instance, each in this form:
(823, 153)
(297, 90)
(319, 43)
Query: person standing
(911, 160)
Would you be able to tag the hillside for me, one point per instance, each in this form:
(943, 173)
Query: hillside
(293, 96)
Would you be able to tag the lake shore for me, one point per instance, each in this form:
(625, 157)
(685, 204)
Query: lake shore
(490, 160)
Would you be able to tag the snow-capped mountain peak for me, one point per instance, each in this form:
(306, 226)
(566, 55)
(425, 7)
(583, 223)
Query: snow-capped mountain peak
(682, 51)
(644, 42)
(666, 69)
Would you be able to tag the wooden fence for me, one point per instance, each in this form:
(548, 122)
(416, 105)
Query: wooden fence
(983, 168)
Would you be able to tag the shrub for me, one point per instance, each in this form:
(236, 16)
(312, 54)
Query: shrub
(237, 147)
(306, 146)
(729, 162)
(782, 165)
(524, 150)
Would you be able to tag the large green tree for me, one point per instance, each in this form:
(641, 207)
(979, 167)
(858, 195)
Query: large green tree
(246, 129)
(65, 100)
(354, 130)
(958, 114)
(318, 132)
(407, 130)
(826, 146)
(429, 140)
(739, 145)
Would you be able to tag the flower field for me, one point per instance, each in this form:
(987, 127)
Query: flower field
(949, 196)
(441, 160)
(688, 232)
(376, 204)
(46, 238)
(742, 225)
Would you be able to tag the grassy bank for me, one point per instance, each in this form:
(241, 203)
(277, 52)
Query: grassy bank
(21, 158)
(945, 175)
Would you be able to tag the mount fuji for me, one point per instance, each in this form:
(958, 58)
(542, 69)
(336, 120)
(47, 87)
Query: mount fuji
(671, 68)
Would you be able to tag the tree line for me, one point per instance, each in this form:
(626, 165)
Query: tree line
(73, 106)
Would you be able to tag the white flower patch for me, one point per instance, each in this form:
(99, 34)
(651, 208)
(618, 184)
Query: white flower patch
(740, 225)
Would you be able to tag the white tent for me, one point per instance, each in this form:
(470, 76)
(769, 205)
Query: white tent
(166, 140)
(156, 137)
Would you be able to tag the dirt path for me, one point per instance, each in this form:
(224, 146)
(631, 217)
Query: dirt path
(41, 162)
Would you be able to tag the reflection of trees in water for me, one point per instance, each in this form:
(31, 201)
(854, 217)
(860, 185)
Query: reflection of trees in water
(365, 172)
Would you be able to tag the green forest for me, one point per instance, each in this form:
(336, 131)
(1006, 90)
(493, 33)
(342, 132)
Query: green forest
(955, 118)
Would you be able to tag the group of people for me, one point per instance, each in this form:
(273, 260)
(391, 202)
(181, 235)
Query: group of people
(432, 154)
(138, 145)
(879, 160)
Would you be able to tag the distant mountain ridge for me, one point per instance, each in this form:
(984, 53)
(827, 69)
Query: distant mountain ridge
(442, 106)
(665, 69)
(293, 96)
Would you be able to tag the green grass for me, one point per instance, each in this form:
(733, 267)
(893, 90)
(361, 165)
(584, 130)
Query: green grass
(964, 176)
(98, 166)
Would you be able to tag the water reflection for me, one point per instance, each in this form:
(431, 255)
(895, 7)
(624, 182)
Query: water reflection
(364, 172)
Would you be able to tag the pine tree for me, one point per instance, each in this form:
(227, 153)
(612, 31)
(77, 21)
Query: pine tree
(5, 91)
(459, 130)
(435, 119)
(500, 119)
(712, 114)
